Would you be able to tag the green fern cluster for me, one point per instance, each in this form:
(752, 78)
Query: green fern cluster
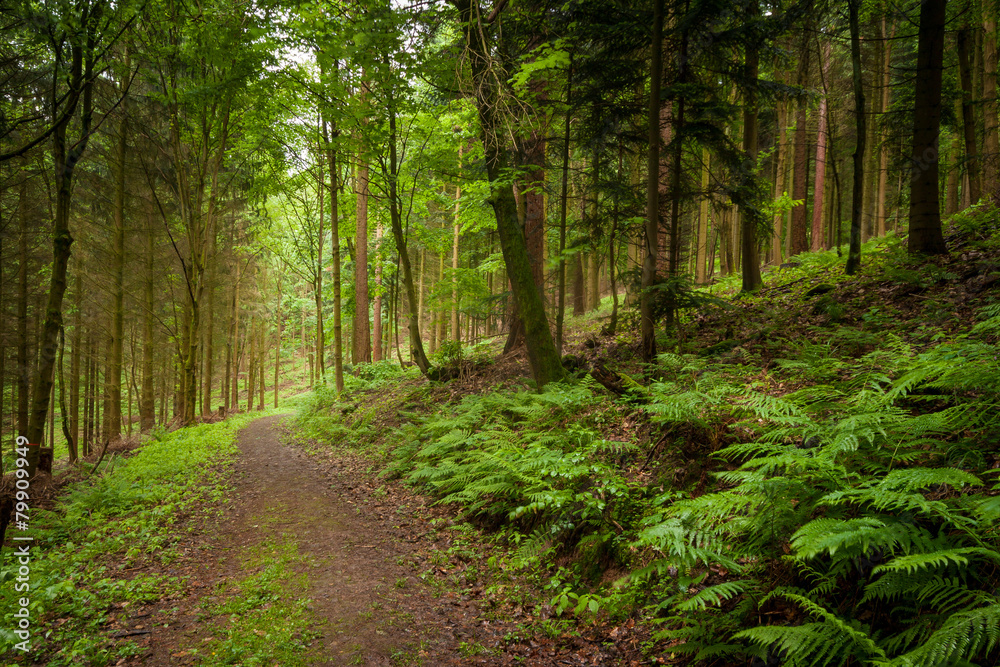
(860, 498)
(524, 458)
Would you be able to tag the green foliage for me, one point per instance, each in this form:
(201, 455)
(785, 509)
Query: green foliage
(135, 514)
(852, 490)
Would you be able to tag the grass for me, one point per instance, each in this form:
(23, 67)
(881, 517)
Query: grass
(265, 618)
(134, 516)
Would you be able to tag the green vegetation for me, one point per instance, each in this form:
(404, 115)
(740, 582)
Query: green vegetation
(824, 492)
(264, 619)
(139, 513)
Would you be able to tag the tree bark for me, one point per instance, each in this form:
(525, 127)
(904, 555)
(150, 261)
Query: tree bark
(925, 212)
(968, 115)
(860, 116)
(800, 169)
(750, 216)
(362, 352)
(819, 186)
(991, 135)
(543, 357)
(652, 187)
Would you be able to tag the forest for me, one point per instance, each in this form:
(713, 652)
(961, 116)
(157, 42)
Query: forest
(681, 315)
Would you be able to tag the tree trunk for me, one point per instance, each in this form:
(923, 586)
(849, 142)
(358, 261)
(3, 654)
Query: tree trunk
(991, 136)
(362, 327)
(456, 235)
(395, 217)
(543, 357)
(819, 186)
(564, 210)
(800, 169)
(701, 254)
(74, 363)
(23, 369)
(968, 115)
(113, 378)
(750, 216)
(881, 192)
(579, 301)
(857, 202)
(147, 414)
(925, 212)
(652, 186)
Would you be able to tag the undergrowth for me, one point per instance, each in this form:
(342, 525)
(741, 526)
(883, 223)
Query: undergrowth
(823, 497)
(133, 515)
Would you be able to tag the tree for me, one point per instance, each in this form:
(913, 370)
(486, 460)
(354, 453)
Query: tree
(542, 355)
(925, 211)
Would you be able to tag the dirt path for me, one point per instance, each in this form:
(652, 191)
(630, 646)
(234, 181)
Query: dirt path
(384, 583)
(358, 553)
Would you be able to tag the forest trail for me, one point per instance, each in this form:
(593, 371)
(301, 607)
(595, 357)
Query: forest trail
(357, 553)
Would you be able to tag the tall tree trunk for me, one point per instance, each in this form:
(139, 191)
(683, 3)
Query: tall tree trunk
(113, 379)
(749, 215)
(75, 359)
(65, 157)
(395, 206)
(564, 210)
(362, 327)
(860, 116)
(543, 357)
(925, 212)
(652, 186)
(800, 168)
(209, 347)
(456, 235)
(23, 369)
(881, 192)
(338, 327)
(377, 341)
(701, 253)
(147, 414)
(968, 114)
(579, 298)
(234, 404)
(780, 176)
(819, 186)
(991, 135)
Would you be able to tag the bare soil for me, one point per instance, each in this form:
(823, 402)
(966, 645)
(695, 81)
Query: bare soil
(383, 590)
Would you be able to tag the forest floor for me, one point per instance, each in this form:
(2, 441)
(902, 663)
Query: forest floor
(381, 576)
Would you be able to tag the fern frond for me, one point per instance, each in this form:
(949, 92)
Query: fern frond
(715, 595)
(963, 636)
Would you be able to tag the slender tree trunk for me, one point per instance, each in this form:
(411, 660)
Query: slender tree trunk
(113, 379)
(991, 135)
(564, 211)
(883, 152)
(22, 310)
(968, 115)
(456, 235)
(147, 414)
(819, 186)
(800, 169)
(860, 116)
(750, 218)
(701, 253)
(234, 404)
(543, 357)
(579, 302)
(416, 346)
(925, 212)
(75, 358)
(362, 327)
(652, 187)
